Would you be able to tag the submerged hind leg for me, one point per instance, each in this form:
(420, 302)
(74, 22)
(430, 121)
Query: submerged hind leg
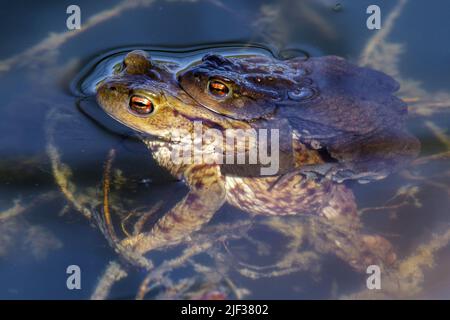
(334, 226)
(339, 231)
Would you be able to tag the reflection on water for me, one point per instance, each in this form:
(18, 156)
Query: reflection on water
(54, 144)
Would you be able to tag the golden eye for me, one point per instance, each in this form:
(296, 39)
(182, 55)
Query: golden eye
(141, 105)
(218, 88)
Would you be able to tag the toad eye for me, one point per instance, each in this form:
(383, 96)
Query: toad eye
(218, 88)
(141, 105)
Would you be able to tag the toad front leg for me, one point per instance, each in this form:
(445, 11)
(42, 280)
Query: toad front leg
(206, 196)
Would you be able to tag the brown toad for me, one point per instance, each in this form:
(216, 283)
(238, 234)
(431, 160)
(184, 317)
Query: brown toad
(324, 108)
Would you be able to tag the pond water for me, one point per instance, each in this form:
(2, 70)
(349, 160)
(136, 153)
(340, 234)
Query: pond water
(55, 140)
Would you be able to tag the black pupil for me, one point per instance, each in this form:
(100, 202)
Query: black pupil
(218, 88)
(141, 106)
